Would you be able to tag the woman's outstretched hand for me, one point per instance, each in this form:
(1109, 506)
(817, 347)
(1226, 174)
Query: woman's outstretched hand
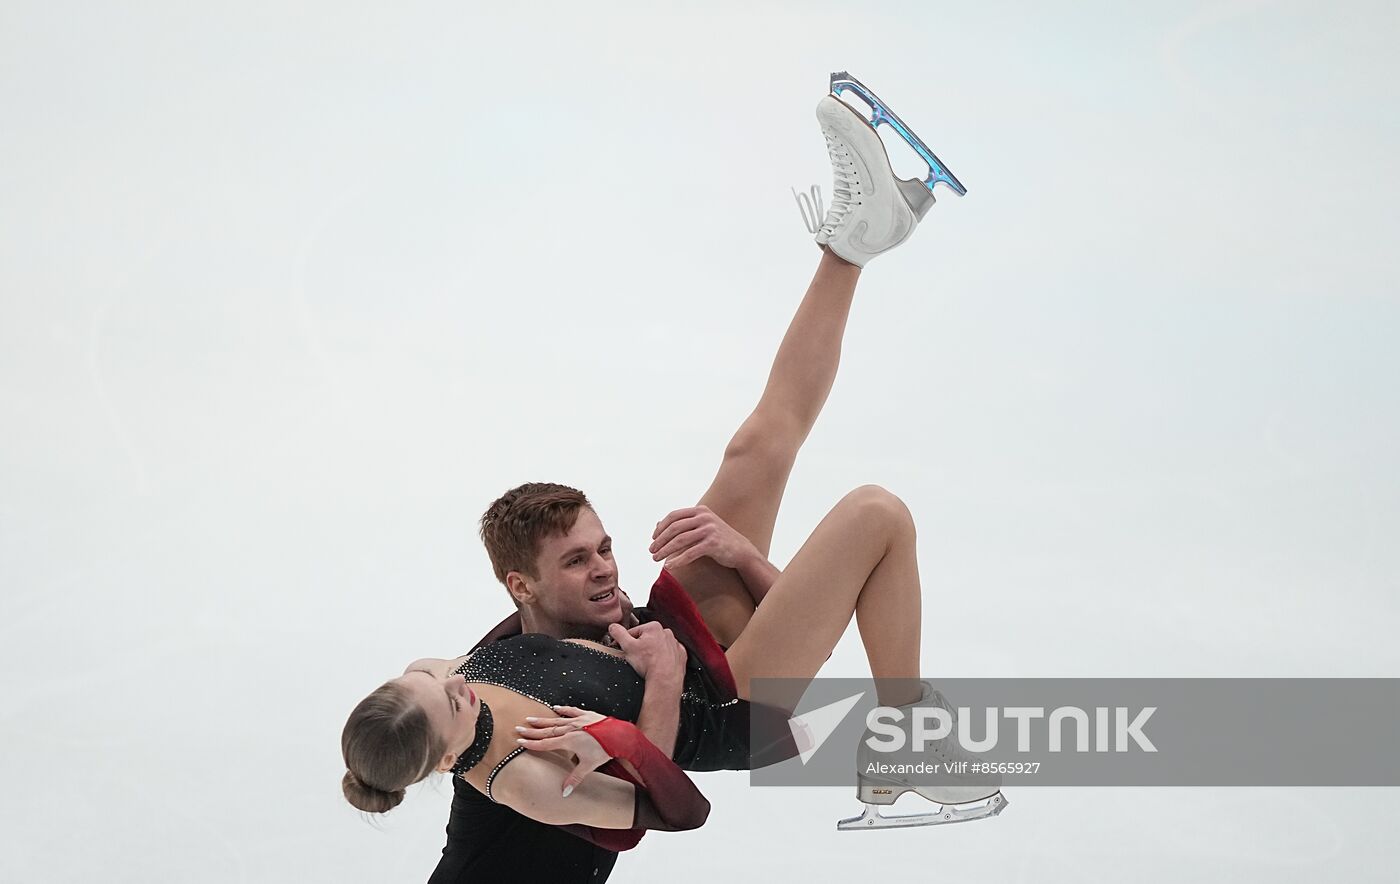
(566, 732)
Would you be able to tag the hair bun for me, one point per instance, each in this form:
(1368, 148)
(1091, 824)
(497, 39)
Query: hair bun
(368, 798)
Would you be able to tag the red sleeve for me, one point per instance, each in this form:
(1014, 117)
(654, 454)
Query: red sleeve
(616, 840)
(666, 798)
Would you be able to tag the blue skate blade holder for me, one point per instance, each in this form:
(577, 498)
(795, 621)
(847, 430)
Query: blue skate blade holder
(881, 113)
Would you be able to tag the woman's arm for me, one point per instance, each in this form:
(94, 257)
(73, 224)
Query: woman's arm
(609, 810)
(533, 785)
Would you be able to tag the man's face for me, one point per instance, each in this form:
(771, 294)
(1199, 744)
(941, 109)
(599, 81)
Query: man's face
(577, 585)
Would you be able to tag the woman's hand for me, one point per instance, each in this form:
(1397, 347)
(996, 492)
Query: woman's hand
(566, 732)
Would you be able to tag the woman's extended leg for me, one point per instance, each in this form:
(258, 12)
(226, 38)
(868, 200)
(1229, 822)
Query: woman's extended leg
(863, 557)
(748, 488)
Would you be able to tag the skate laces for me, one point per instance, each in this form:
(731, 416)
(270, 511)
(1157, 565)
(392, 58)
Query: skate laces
(811, 209)
(844, 187)
(813, 218)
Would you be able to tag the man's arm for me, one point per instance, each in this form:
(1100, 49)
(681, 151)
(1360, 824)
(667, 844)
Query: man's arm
(660, 718)
(660, 659)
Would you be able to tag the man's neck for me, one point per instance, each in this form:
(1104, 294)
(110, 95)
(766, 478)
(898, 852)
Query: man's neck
(534, 622)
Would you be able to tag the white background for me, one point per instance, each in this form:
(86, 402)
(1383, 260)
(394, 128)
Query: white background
(289, 294)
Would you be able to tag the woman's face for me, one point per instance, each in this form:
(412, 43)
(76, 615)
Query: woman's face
(451, 706)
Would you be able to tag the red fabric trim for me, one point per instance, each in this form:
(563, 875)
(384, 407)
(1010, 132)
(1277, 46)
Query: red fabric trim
(672, 795)
(670, 789)
(616, 840)
(675, 609)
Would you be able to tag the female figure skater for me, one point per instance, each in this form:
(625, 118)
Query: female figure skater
(510, 720)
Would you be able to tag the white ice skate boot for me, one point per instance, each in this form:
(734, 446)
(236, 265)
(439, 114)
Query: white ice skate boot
(962, 794)
(871, 211)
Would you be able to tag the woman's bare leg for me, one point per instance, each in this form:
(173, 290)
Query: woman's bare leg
(748, 489)
(863, 558)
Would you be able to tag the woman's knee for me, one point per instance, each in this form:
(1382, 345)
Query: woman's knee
(878, 503)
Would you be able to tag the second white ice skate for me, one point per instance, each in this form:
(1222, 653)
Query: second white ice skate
(962, 794)
(949, 811)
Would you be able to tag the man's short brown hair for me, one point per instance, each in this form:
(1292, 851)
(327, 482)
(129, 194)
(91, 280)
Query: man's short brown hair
(518, 520)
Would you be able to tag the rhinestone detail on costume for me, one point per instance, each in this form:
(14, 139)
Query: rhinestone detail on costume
(554, 672)
(559, 673)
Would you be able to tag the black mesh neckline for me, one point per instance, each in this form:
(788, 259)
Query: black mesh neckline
(477, 750)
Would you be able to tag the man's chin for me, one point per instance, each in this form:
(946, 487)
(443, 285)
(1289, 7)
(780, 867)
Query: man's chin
(606, 616)
(608, 619)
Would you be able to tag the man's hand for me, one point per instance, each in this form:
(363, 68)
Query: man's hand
(695, 532)
(651, 650)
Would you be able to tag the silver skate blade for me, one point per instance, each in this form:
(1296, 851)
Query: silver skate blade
(873, 819)
(881, 113)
